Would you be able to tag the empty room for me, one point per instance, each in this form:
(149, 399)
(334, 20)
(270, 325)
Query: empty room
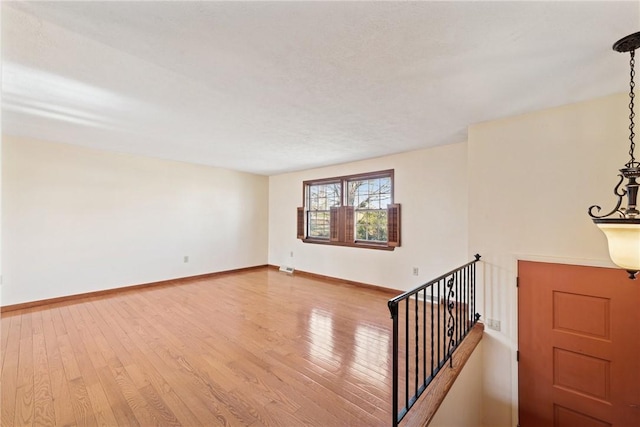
(319, 213)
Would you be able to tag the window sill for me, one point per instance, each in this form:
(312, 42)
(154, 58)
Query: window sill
(379, 246)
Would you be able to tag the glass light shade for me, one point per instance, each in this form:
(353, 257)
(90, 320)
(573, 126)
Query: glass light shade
(624, 242)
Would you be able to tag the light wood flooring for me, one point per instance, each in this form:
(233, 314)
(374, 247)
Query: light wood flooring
(246, 349)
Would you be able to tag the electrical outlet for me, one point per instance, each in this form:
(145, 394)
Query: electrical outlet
(493, 324)
(416, 271)
(186, 258)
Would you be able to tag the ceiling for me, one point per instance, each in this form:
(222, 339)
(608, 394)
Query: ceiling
(272, 87)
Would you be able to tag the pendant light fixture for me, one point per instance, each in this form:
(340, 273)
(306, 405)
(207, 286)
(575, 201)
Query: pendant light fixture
(623, 230)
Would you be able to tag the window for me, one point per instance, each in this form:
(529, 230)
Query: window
(370, 198)
(355, 210)
(320, 199)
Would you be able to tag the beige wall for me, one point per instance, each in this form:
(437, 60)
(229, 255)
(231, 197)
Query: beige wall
(531, 180)
(78, 220)
(462, 407)
(431, 186)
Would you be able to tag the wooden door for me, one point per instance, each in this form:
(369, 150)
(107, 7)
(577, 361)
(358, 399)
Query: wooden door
(579, 346)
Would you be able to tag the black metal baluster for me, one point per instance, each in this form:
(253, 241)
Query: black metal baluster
(461, 307)
(473, 294)
(406, 355)
(463, 304)
(456, 291)
(457, 306)
(469, 312)
(417, 345)
(424, 335)
(476, 316)
(432, 343)
(439, 324)
(450, 320)
(459, 324)
(393, 307)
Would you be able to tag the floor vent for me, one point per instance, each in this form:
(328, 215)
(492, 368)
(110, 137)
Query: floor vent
(285, 269)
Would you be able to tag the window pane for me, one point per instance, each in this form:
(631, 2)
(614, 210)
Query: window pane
(374, 186)
(335, 194)
(323, 196)
(318, 224)
(351, 193)
(372, 193)
(374, 201)
(370, 198)
(312, 198)
(371, 225)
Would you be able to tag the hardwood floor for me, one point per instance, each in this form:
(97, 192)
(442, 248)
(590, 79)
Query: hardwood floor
(251, 348)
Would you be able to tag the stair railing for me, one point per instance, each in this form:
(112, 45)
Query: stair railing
(440, 314)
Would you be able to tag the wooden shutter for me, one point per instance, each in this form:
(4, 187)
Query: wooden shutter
(342, 224)
(300, 223)
(334, 221)
(349, 226)
(393, 225)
